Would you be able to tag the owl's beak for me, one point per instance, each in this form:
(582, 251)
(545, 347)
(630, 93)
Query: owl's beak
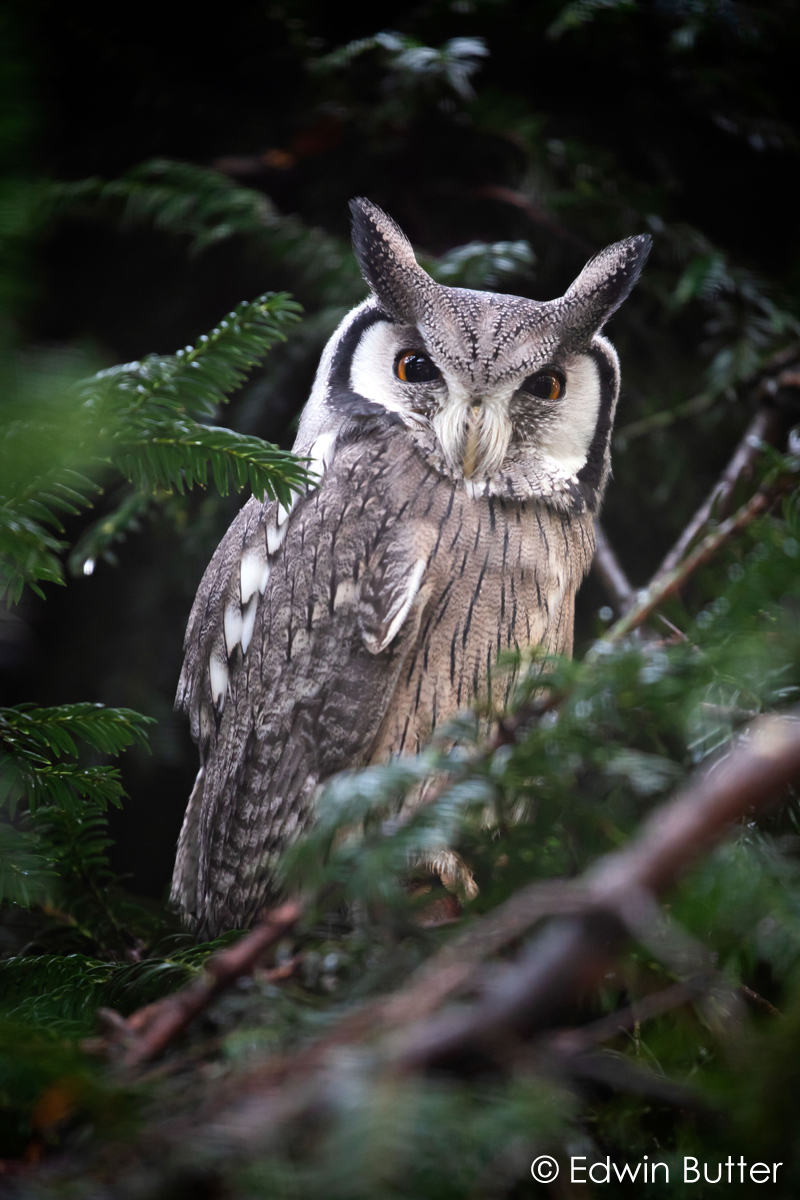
(470, 458)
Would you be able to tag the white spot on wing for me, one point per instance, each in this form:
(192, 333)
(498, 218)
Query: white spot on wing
(232, 624)
(250, 572)
(262, 583)
(285, 513)
(218, 676)
(275, 537)
(248, 621)
(322, 453)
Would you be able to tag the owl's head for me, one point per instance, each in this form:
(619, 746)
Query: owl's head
(514, 397)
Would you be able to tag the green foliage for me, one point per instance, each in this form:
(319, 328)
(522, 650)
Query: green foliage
(147, 411)
(53, 807)
(482, 264)
(580, 12)
(181, 198)
(140, 420)
(207, 207)
(26, 873)
(64, 992)
(46, 1086)
(412, 65)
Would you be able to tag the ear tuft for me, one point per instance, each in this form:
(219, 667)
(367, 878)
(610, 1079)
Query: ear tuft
(605, 282)
(387, 261)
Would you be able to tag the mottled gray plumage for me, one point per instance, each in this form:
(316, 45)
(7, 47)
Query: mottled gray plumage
(452, 519)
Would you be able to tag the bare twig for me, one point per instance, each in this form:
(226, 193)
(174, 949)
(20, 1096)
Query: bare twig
(626, 1075)
(153, 1028)
(577, 1041)
(728, 712)
(664, 586)
(763, 428)
(759, 1002)
(608, 570)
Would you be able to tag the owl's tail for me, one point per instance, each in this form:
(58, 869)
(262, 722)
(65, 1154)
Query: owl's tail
(183, 893)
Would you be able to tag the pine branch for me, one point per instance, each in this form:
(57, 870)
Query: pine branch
(142, 419)
(29, 549)
(97, 539)
(148, 410)
(181, 454)
(181, 198)
(207, 207)
(573, 952)
(65, 841)
(27, 729)
(196, 381)
(26, 874)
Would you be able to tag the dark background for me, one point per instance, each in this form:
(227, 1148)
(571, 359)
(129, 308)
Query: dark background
(678, 117)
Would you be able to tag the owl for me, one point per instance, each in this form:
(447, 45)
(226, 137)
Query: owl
(458, 446)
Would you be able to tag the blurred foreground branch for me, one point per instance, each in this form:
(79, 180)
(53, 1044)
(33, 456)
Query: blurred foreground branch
(408, 1031)
(573, 953)
(149, 1031)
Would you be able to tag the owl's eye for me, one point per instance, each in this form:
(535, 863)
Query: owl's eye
(546, 385)
(414, 366)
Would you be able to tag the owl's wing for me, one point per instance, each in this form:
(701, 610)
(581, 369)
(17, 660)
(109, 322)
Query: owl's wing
(293, 651)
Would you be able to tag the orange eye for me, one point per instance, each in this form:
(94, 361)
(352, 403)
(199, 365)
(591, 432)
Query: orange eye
(546, 385)
(414, 366)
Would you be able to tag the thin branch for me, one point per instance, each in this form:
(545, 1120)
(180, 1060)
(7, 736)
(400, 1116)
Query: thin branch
(759, 1002)
(624, 1075)
(150, 1030)
(578, 1041)
(664, 586)
(608, 570)
(764, 427)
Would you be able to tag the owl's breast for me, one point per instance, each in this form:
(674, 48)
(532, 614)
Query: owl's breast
(502, 575)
